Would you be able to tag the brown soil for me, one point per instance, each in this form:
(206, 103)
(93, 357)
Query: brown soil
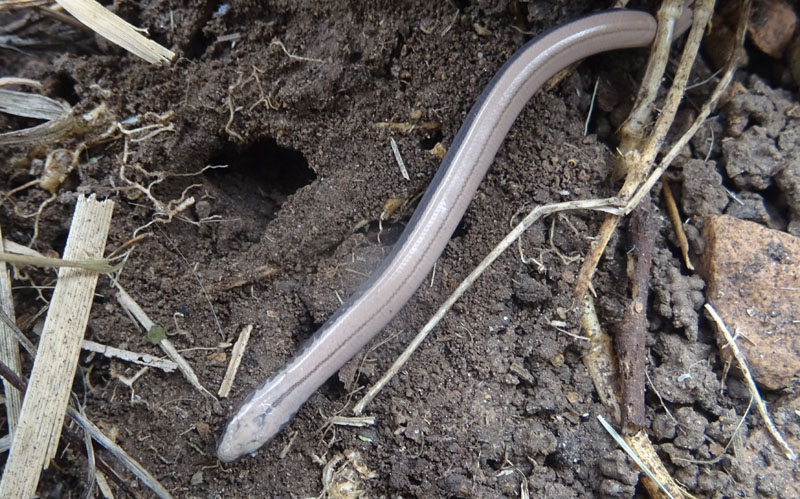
(308, 173)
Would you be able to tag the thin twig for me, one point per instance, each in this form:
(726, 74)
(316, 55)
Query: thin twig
(607, 205)
(280, 44)
(129, 304)
(143, 359)
(705, 111)
(634, 130)
(99, 265)
(677, 226)
(630, 337)
(591, 108)
(91, 459)
(601, 360)
(637, 154)
(751, 384)
(237, 353)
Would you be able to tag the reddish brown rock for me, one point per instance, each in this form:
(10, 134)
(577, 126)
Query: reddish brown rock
(772, 24)
(753, 281)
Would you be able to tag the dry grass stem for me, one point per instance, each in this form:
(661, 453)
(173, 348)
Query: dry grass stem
(5, 443)
(601, 360)
(18, 249)
(358, 422)
(130, 306)
(54, 130)
(639, 161)
(705, 111)
(99, 266)
(236, 359)
(91, 461)
(591, 108)
(117, 30)
(36, 439)
(32, 105)
(9, 348)
(606, 205)
(142, 359)
(131, 464)
(14, 80)
(751, 384)
(647, 455)
(399, 158)
(92, 431)
(55, 12)
(104, 487)
(48, 132)
(60, 122)
(651, 458)
(633, 133)
(638, 150)
(21, 4)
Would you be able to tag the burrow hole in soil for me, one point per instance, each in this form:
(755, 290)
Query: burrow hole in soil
(261, 174)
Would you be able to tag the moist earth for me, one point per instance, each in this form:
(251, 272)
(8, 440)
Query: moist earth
(298, 101)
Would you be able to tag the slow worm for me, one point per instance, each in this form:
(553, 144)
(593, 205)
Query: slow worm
(270, 406)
